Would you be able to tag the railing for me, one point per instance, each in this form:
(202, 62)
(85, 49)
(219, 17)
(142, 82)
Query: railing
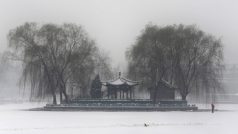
(126, 103)
(111, 101)
(117, 105)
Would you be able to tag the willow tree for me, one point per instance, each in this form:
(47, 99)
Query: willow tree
(149, 57)
(185, 56)
(198, 62)
(51, 55)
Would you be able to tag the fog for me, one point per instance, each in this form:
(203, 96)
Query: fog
(115, 24)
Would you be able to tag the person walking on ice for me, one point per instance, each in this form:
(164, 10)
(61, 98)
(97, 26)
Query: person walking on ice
(213, 107)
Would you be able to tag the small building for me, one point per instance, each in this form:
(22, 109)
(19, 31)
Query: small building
(163, 91)
(120, 88)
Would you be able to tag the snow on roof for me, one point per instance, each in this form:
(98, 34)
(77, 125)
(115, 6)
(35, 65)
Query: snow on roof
(116, 82)
(122, 81)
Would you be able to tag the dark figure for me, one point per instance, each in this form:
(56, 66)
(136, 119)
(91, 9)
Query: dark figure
(213, 107)
(146, 125)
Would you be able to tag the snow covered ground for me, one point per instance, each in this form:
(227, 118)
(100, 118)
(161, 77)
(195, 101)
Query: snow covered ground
(15, 120)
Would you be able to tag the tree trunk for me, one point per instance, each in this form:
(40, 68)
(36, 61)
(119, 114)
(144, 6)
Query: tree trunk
(63, 90)
(66, 96)
(61, 97)
(155, 95)
(54, 99)
(184, 96)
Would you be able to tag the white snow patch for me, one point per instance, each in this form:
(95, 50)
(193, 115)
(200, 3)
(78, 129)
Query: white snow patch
(14, 120)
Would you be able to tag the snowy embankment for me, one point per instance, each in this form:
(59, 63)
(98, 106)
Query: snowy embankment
(15, 120)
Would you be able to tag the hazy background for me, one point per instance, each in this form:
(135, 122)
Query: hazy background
(115, 24)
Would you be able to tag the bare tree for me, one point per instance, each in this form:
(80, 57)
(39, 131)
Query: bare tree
(182, 55)
(199, 60)
(54, 57)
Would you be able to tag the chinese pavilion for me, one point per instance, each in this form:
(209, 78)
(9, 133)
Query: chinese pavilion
(120, 88)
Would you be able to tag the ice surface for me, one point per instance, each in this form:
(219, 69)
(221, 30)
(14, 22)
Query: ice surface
(15, 120)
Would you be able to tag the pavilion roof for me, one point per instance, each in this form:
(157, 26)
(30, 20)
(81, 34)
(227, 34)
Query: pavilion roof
(121, 81)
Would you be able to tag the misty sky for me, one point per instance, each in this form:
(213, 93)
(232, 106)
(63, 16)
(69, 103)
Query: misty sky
(115, 24)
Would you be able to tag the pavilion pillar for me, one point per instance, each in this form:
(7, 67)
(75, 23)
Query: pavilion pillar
(130, 94)
(127, 94)
(133, 92)
(123, 94)
(110, 95)
(113, 94)
(120, 93)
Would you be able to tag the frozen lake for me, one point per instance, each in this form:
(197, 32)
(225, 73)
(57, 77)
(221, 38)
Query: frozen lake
(14, 120)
